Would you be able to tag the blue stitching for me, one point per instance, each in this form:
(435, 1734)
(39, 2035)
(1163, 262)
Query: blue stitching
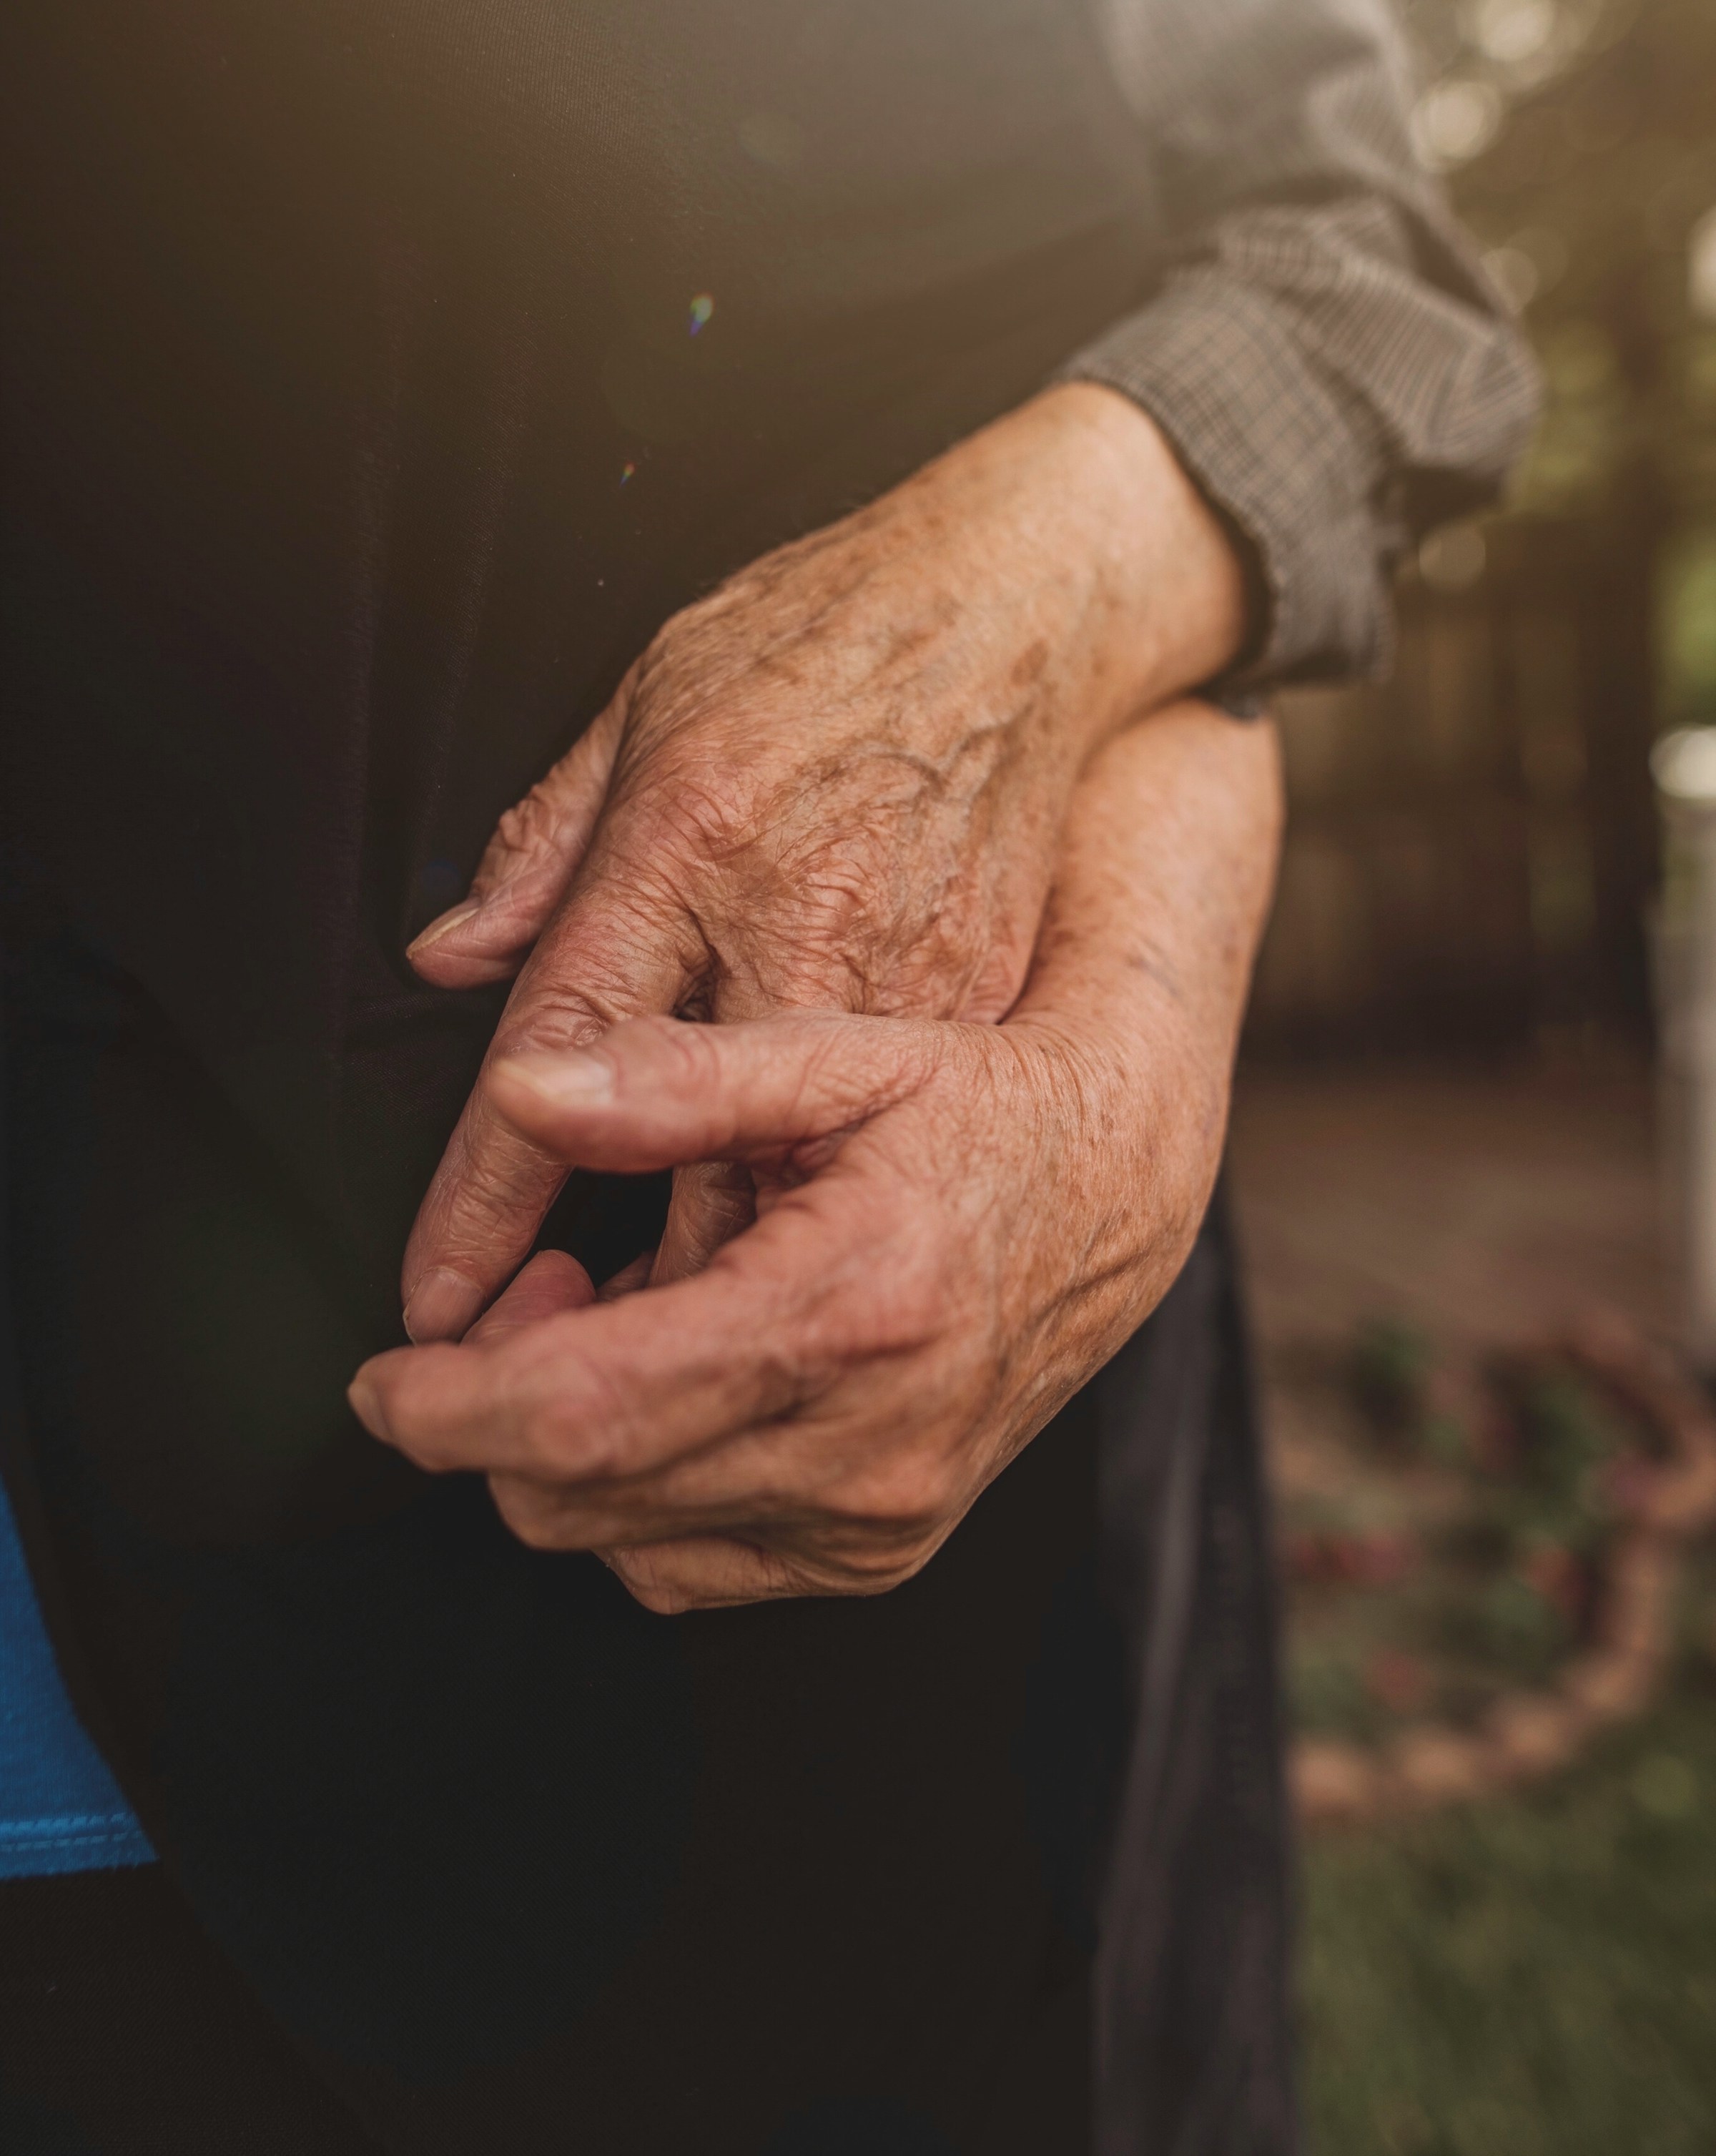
(67, 1825)
(84, 1841)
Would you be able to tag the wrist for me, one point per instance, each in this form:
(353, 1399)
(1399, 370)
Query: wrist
(1170, 596)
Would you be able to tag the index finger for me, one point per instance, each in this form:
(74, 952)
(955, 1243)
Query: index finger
(618, 948)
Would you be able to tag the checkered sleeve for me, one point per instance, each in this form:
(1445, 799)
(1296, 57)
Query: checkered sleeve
(1317, 341)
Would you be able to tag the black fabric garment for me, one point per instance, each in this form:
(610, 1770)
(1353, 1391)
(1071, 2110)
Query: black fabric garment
(121, 2029)
(122, 2033)
(826, 1966)
(356, 437)
(497, 1846)
(490, 1842)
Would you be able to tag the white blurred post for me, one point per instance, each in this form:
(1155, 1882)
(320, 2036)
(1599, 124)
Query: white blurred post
(1684, 767)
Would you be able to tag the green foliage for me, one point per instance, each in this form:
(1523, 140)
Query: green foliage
(1444, 1569)
(1564, 1439)
(1391, 1375)
(1390, 1372)
(1518, 1627)
(1327, 1694)
(1589, 187)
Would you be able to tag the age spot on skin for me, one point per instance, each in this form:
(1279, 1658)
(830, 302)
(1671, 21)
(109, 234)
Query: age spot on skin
(1030, 664)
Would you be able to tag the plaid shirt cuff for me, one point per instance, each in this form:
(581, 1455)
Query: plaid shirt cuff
(1276, 447)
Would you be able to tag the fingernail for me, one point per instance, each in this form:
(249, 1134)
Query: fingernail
(454, 917)
(443, 1305)
(570, 1079)
(367, 1407)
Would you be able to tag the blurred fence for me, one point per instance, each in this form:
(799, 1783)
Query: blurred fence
(1472, 845)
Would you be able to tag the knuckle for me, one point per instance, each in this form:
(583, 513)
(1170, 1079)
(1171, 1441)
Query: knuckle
(598, 961)
(877, 1570)
(900, 1502)
(646, 1585)
(904, 1307)
(695, 816)
(556, 1015)
(687, 1058)
(529, 827)
(882, 1580)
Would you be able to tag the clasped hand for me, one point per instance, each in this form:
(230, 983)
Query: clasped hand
(872, 775)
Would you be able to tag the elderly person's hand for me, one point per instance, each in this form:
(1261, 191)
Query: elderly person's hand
(837, 783)
(957, 1224)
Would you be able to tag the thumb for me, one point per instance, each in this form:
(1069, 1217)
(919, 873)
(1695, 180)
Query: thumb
(526, 866)
(655, 1093)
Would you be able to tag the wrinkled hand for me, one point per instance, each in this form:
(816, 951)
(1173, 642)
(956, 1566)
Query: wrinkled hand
(837, 783)
(957, 1224)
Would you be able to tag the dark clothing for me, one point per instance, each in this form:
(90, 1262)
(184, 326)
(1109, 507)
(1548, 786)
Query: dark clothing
(878, 1944)
(508, 1856)
(121, 2028)
(376, 379)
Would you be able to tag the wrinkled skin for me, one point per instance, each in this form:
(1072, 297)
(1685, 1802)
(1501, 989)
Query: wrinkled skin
(957, 1223)
(839, 782)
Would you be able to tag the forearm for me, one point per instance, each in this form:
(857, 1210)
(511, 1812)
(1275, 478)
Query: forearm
(1166, 870)
(1142, 974)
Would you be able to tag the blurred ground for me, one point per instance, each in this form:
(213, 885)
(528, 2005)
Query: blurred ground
(1486, 1209)
(1534, 1977)
(1535, 1972)
(1488, 1206)
(1472, 852)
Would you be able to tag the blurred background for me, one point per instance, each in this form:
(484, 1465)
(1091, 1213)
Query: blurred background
(1462, 1167)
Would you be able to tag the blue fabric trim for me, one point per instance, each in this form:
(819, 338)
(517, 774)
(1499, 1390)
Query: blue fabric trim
(60, 1808)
